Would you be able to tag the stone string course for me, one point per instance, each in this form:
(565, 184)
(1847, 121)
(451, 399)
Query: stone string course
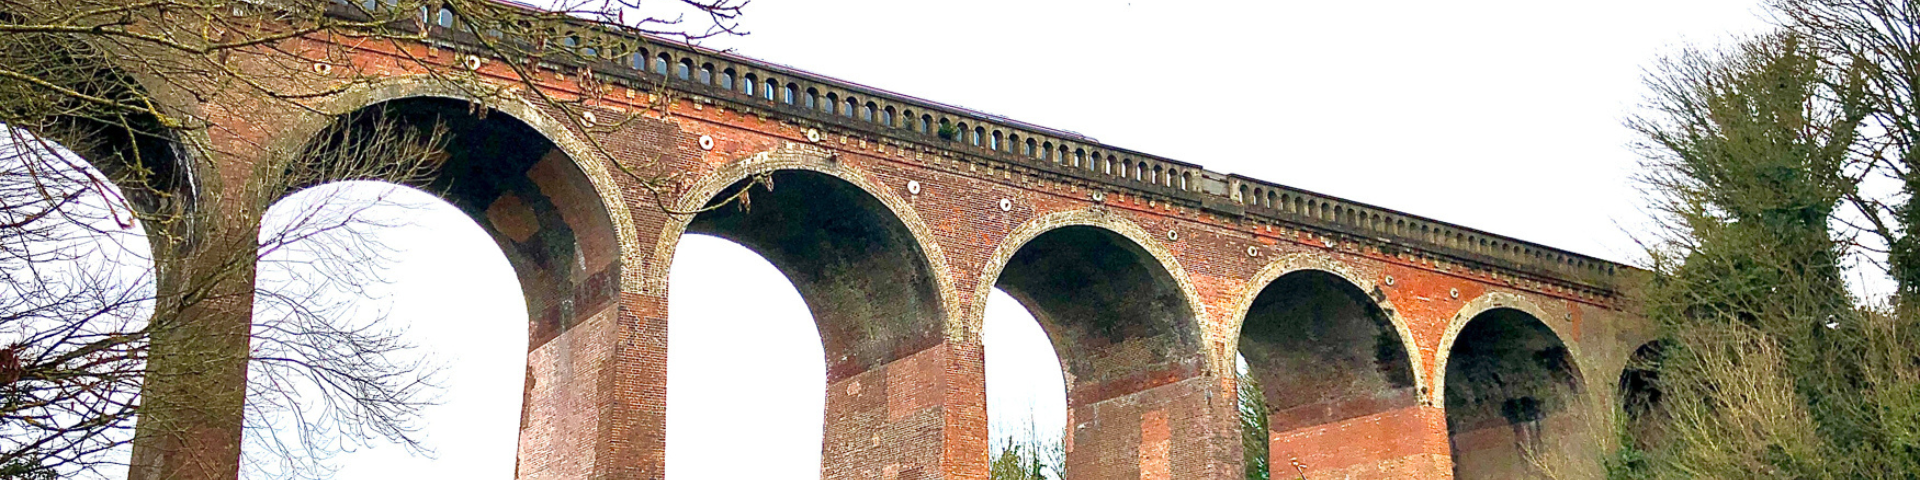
(831, 105)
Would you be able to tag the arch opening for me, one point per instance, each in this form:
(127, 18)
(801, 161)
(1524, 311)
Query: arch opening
(1026, 393)
(380, 260)
(1510, 388)
(873, 296)
(1125, 333)
(544, 215)
(529, 195)
(1641, 398)
(1640, 394)
(1320, 351)
(77, 266)
(863, 275)
(728, 359)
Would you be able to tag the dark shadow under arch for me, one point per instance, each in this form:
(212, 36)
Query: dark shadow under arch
(1323, 351)
(865, 278)
(1641, 396)
(523, 190)
(1125, 332)
(549, 221)
(1117, 316)
(1639, 389)
(1510, 386)
(143, 158)
(874, 296)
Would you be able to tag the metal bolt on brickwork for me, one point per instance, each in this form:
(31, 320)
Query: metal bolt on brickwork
(1389, 280)
(322, 68)
(1006, 205)
(1453, 292)
(1099, 196)
(813, 135)
(472, 62)
(706, 142)
(1173, 235)
(1253, 251)
(589, 119)
(913, 187)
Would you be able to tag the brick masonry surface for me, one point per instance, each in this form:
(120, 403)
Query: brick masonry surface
(895, 240)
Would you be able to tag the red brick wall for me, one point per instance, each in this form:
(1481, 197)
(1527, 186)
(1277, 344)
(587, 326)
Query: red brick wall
(596, 392)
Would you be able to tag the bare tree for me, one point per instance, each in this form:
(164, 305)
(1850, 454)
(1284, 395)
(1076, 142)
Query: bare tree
(83, 349)
(81, 292)
(69, 367)
(327, 368)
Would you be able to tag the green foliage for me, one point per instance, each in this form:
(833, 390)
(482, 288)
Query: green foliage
(1878, 42)
(1772, 368)
(18, 470)
(1253, 427)
(1027, 459)
(1627, 462)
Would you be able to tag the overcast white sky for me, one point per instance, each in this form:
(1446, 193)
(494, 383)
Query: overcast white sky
(1500, 115)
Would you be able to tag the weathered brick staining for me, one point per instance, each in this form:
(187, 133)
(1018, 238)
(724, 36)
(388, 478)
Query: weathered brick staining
(1142, 269)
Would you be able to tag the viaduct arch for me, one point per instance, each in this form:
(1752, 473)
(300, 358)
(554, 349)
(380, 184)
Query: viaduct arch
(864, 264)
(1311, 313)
(1122, 315)
(528, 184)
(1509, 382)
(1372, 330)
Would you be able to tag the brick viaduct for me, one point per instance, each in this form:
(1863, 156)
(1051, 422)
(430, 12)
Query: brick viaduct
(1389, 345)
